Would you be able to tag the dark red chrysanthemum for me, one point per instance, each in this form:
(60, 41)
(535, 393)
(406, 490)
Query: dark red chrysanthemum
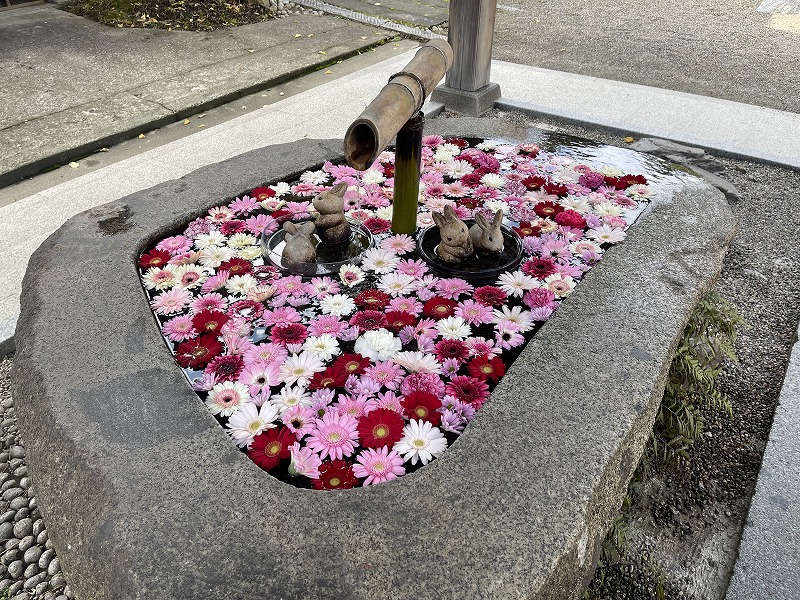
(534, 182)
(368, 320)
(592, 180)
(226, 368)
(372, 298)
(470, 203)
(455, 349)
(249, 309)
(381, 427)
(236, 266)
(422, 406)
(197, 353)
(556, 189)
(154, 258)
(209, 321)
(335, 475)
(376, 225)
(460, 142)
(629, 180)
(270, 446)
(468, 389)
(525, 229)
(353, 364)
(491, 369)
(547, 209)
(388, 170)
(290, 333)
(231, 227)
(332, 377)
(397, 319)
(489, 295)
(539, 267)
(439, 308)
(262, 193)
(571, 218)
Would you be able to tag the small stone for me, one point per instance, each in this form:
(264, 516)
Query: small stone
(34, 580)
(5, 584)
(61, 597)
(31, 570)
(21, 471)
(16, 569)
(41, 590)
(3, 457)
(22, 513)
(42, 538)
(54, 567)
(45, 558)
(21, 596)
(33, 503)
(68, 592)
(38, 526)
(9, 556)
(7, 516)
(6, 530)
(17, 452)
(57, 582)
(25, 483)
(32, 555)
(12, 543)
(12, 492)
(15, 587)
(48, 544)
(17, 503)
(26, 542)
(23, 528)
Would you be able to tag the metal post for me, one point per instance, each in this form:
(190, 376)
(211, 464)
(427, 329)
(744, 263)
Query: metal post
(467, 88)
(407, 164)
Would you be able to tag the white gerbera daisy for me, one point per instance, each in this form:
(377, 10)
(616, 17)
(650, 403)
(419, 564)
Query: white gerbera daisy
(446, 152)
(639, 191)
(249, 252)
(495, 205)
(314, 177)
(560, 285)
(607, 209)
(160, 278)
(384, 212)
(458, 168)
(605, 234)
(300, 368)
(580, 246)
(577, 203)
(190, 276)
(281, 188)
(209, 240)
(372, 177)
(610, 171)
(418, 362)
(516, 283)
(453, 328)
(515, 315)
(397, 284)
(241, 284)
(379, 260)
(487, 146)
(421, 442)
(324, 346)
(215, 256)
(378, 344)
(240, 240)
(226, 398)
(337, 304)
(249, 421)
(493, 180)
(290, 396)
(351, 275)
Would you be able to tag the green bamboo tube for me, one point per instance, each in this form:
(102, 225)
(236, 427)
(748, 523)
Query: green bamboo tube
(407, 164)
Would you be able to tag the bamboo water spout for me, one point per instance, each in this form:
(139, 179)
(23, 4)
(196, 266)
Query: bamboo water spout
(397, 102)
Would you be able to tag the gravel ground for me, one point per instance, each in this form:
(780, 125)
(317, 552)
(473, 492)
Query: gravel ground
(684, 527)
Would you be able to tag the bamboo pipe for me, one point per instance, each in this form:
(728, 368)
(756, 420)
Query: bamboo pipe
(396, 103)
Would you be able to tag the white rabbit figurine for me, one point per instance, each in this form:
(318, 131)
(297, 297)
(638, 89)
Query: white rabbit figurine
(487, 236)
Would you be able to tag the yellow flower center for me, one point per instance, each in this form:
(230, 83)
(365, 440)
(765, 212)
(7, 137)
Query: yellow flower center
(381, 431)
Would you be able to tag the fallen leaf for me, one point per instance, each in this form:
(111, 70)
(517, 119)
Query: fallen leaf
(310, 35)
(627, 140)
(141, 136)
(328, 72)
(186, 121)
(297, 35)
(201, 116)
(74, 165)
(363, 37)
(202, 125)
(251, 51)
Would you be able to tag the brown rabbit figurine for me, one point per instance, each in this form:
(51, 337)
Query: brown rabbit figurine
(299, 248)
(487, 236)
(455, 243)
(332, 227)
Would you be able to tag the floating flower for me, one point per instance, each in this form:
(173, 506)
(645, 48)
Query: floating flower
(421, 442)
(249, 421)
(269, 447)
(335, 475)
(224, 399)
(303, 461)
(335, 436)
(378, 465)
(300, 368)
(378, 345)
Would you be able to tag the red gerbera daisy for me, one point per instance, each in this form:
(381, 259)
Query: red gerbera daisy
(381, 427)
(539, 267)
(388, 170)
(353, 364)
(335, 475)
(547, 209)
(368, 320)
(439, 308)
(460, 142)
(397, 319)
(487, 368)
(231, 227)
(490, 295)
(236, 266)
(209, 321)
(198, 352)
(372, 298)
(451, 349)
(422, 406)
(270, 446)
(226, 368)
(525, 229)
(376, 225)
(262, 193)
(154, 258)
(468, 389)
(332, 377)
(629, 180)
(534, 182)
(291, 333)
(556, 189)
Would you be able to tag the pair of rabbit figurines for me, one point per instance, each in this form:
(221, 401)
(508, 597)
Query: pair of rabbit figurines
(457, 243)
(330, 226)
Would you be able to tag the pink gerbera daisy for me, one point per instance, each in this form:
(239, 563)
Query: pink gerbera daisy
(378, 465)
(335, 435)
(171, 302)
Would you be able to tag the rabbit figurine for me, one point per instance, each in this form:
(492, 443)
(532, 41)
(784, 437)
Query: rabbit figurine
(332, 227)
(455, 243)
(299, 248)
(487, 236)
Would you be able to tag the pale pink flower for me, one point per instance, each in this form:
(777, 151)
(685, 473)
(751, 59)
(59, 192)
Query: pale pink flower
(335, 435)
(171, 302)
(378, 465)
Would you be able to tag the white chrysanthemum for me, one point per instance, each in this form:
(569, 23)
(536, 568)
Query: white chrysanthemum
(515, 315)
(421, 442)
(241, 284)
(325, 346)
(607, 209)
(290, 396)
(639, 191)
(566, 175)
(190, 276)
(379, 260)
(610, 171)
(495, 205)
(581, 246)
(249, 252)
(300, 368)
(516, 283)
(314, 177)
(605, 234)
(378, 344)
(453, 328)
(160, 278)
(337, 304)
(209, 240)
(216, 255)
(372, 177)
(577, 203)
(281, 188)
(249, 421)
(396, 284)
(226, 398)
(446, 152)
(418, 362)
(384, 212)
(493, 180)
(487, 146)
(240, 240)
(458, 168)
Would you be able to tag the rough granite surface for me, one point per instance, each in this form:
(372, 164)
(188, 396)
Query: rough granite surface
(146, 497)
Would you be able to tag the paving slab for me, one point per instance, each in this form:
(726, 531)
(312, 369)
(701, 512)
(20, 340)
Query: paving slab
(79, 85)
(423, 13)
(769, 552)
